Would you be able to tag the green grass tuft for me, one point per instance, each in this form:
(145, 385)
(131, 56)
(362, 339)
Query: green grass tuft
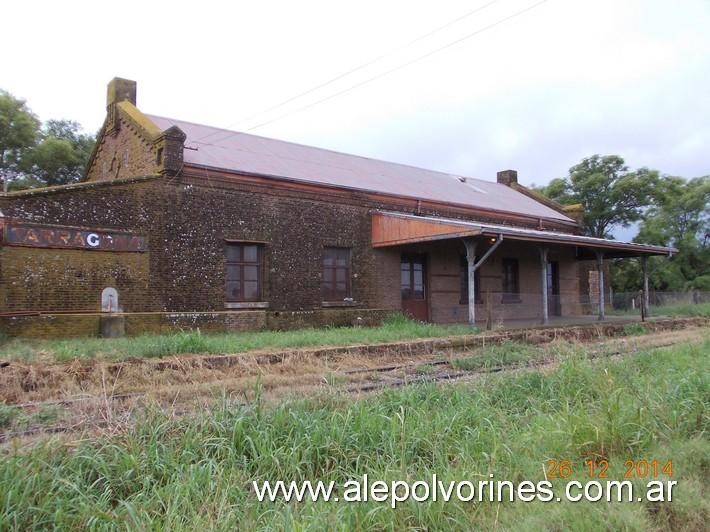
(503, 354)
(700, 309)
(395, 328)
(194, 473)
(634, 329)
(8, 415)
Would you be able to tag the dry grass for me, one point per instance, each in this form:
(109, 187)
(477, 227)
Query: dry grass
(25, 382)
(193, 472)
(103, 395)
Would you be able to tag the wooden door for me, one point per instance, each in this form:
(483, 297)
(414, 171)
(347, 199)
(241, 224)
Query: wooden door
(414, 287)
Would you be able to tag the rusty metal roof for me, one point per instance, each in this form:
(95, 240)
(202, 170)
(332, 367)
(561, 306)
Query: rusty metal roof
(240, 152)
(453, 228)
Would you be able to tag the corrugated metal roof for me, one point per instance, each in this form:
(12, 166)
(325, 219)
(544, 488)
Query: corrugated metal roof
(241, 152)
(538, 235)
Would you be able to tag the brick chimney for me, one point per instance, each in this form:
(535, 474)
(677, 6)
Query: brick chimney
(120, 89)
(507, 177)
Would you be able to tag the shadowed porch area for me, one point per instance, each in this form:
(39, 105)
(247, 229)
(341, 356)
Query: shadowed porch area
(535, 283)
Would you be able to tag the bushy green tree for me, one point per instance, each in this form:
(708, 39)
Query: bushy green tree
(610, 193)
(672, 211)
(33, 156)
(60, 156)
(680, 217)
(19, 129)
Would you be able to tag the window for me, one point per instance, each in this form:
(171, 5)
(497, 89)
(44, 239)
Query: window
(243, 272)
(511, 280)
(335, 284)
(463, 276)
(412, 277)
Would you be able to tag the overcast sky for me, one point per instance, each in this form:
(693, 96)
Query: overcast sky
(536, 92)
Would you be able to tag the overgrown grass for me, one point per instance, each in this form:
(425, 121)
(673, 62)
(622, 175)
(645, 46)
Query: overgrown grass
(8, 415)
(685, 309)
(395, 328)
(700, 309)
(13, 418)
(634, 329)
(502, 354)
(195, 473)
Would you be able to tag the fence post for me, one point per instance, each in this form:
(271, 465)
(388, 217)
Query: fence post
(644, 269)
(489, 310)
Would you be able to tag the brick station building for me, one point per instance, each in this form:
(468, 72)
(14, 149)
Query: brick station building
(183, 225)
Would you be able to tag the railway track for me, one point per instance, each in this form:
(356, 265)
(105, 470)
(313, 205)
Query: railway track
(121, 416)
(542, 363)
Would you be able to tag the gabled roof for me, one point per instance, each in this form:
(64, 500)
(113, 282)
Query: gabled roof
(240, 152)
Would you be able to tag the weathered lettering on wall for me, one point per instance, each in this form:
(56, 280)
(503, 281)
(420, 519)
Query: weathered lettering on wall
(46, 236)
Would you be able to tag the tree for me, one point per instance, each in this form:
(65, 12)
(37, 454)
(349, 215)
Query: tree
(32, 156)
(559, 190)
(19, 129)
(680, 212)
(610, 194)
(679, 218)
(60, 156)
(673, 212)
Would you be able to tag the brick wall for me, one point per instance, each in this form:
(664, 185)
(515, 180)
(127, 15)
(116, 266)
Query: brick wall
(184, 267)
(68, 279)
(122, 153)
(445, 282)
(183, 271)
(570, 301)
(138, 323)
(588, 282)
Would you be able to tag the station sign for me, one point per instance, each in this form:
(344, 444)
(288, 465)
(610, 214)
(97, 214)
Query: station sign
(52, 236)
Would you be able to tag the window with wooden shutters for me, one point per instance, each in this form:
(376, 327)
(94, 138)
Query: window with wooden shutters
(243, 272)
(335, 285)
(511, 281)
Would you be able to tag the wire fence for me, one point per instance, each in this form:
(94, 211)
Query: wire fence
(657, 301)
(503, 309)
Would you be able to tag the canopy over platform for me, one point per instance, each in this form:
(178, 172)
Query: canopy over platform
(394, 229)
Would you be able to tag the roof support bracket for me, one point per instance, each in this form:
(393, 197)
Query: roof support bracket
(472, 266)
(487, 254)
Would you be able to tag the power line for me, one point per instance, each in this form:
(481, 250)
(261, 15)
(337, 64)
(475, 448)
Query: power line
(390, 71)
(357, 68)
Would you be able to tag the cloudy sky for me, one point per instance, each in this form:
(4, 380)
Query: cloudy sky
(522, 84)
